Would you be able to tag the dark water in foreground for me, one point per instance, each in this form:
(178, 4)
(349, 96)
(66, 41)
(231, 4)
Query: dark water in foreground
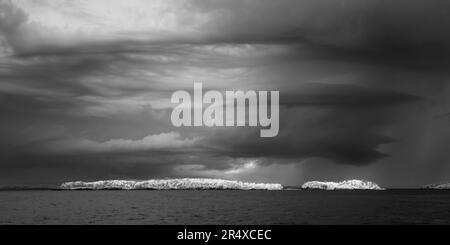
(225, 207)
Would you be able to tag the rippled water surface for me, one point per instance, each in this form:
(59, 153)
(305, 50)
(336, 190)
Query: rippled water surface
(225, 207)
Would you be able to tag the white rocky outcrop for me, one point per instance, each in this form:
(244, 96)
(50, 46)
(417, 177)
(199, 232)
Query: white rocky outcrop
(438, 186)
(344, 185)
(169, 184)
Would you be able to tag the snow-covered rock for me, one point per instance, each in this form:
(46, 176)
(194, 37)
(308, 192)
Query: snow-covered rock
(438, 186)
(169, 184)
(344, 185)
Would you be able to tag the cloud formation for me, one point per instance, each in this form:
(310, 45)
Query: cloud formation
(86, 86)
(160, 142)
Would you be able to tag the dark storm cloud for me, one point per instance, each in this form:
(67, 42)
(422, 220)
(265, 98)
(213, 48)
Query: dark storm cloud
(342, 95)
(345, 136)
(379, 29)
(376, 26)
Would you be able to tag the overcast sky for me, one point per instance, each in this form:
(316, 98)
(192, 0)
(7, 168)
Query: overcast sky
(85, 89)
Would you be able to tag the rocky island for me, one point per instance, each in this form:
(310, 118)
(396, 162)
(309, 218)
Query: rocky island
(169, 184)
(344, 185)
(438, 186)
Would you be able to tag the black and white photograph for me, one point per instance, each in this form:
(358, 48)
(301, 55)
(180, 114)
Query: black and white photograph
(224, 112)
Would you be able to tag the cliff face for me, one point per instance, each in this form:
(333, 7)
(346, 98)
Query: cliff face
(169, 184)
(344, 185)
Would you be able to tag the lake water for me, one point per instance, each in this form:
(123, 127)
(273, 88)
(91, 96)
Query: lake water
(225, 207)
